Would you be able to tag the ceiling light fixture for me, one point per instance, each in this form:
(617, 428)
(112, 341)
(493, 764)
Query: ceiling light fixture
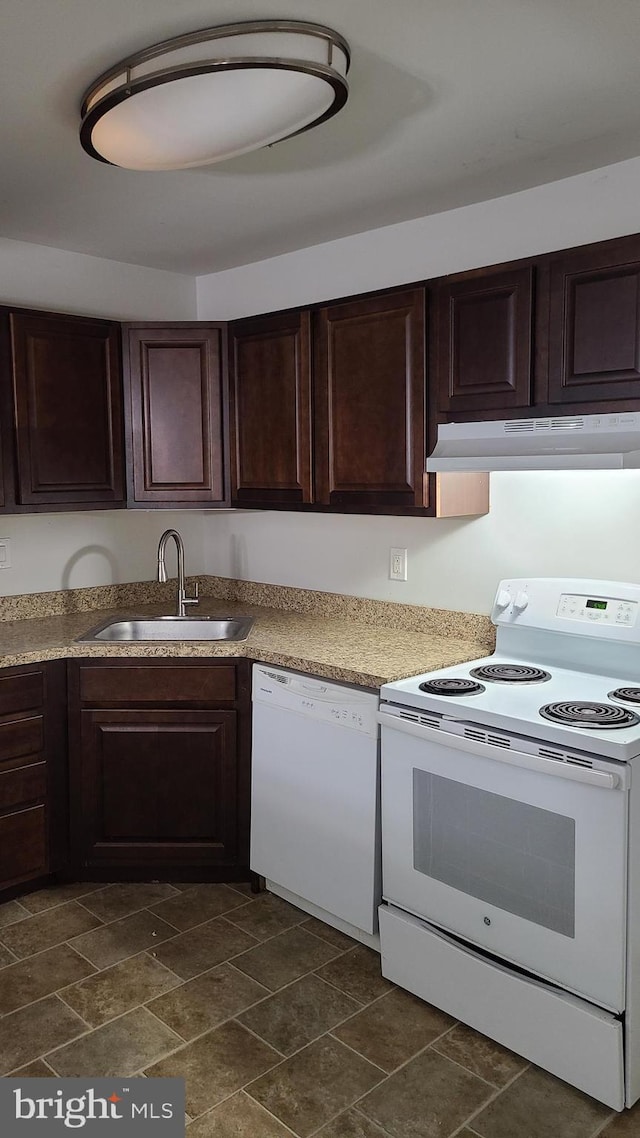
(214, 94)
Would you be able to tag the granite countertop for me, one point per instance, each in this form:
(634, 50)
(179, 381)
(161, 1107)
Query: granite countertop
(337, 647)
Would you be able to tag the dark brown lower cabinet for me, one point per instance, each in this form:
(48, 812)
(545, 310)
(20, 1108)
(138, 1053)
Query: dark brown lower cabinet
(159, 756)
(33, 776)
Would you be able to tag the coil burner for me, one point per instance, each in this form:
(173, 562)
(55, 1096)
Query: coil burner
(510, 674)
(451, 685)
(591, 715)
(632, 695)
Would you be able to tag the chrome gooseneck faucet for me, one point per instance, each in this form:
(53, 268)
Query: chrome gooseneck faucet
(181, 599)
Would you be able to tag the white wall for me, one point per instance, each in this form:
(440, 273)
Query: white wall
(39, 277)
(57, 551)
(584, 523)
(588, 207)
(69, 551)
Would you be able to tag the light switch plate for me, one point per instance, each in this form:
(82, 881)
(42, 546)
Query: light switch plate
(5, 553)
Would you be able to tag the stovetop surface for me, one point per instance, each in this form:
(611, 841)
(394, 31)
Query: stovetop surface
(515, 707)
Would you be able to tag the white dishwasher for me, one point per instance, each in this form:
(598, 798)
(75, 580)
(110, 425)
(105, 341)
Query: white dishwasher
(315, 802)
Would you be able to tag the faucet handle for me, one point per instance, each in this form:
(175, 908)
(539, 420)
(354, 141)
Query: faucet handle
(194, 600)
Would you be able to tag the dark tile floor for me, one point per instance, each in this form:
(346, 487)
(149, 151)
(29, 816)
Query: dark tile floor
(280, 1025)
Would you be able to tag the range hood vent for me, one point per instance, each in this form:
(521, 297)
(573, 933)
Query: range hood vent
(569, 442)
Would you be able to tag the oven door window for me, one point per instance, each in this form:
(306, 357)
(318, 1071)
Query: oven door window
(517, 857)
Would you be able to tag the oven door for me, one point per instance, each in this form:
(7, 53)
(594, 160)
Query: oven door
(520, 855)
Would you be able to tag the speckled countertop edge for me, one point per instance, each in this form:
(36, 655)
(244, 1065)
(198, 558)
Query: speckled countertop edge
(331, 639)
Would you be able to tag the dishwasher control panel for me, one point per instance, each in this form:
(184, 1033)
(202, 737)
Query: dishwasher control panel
(349, 707)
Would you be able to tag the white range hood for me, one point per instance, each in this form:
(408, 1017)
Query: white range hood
(570, 442)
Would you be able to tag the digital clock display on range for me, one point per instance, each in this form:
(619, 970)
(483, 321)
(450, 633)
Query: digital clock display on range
(596, 605)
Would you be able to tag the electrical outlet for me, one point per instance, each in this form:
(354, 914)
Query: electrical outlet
(397, 564)
(5, 553)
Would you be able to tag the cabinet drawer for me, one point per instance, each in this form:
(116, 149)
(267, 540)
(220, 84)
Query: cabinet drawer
(21, 737)
(23, 785)
(21, 692)
(149, 685)
(23, 845)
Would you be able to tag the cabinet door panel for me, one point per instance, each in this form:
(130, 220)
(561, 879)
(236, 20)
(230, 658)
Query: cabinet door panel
(485, 341)
(270, 372)
(370, 402)
(594, 326)
(174, 381)
(68, 406)
(159, 787)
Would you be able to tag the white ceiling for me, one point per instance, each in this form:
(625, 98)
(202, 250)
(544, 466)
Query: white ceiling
(451, 101)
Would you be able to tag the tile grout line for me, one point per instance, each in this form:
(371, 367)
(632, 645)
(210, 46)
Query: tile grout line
(166, 1026)
(115, 920)
(385, 1074)
(328, 1121)
(66, 900)
(430, 1046)
(60, 997)
(260, 1039)
(254, 1102)
(492, 1098)
(261, 940)
(383, 1129)
(266, 1111)
(603, 1125)
(457, 1063)
(42, 1055)
(123, 916)
(109, 967)
(41, 952)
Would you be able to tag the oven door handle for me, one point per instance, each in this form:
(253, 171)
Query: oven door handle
(514, 758)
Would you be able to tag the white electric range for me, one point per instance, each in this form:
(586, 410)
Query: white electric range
(511, 833)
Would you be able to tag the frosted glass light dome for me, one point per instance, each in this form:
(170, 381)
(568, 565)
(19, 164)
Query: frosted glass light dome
(215, 94)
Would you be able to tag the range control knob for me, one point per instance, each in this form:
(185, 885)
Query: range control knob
(503, 600)
(521, 601)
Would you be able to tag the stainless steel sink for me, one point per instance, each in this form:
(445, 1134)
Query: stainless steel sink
(171, 628)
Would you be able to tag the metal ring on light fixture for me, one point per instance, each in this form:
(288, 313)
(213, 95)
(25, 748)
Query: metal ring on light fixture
(121, 83)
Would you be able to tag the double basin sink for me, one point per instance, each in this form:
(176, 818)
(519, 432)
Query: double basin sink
(170, 628)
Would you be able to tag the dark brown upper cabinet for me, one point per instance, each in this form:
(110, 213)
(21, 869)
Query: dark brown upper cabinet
(270, 408)
(174, 414)
(369, 375)
(594, 323)
(68, 410)
(484, 341)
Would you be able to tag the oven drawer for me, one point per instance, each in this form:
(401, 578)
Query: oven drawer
(569, 1037)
